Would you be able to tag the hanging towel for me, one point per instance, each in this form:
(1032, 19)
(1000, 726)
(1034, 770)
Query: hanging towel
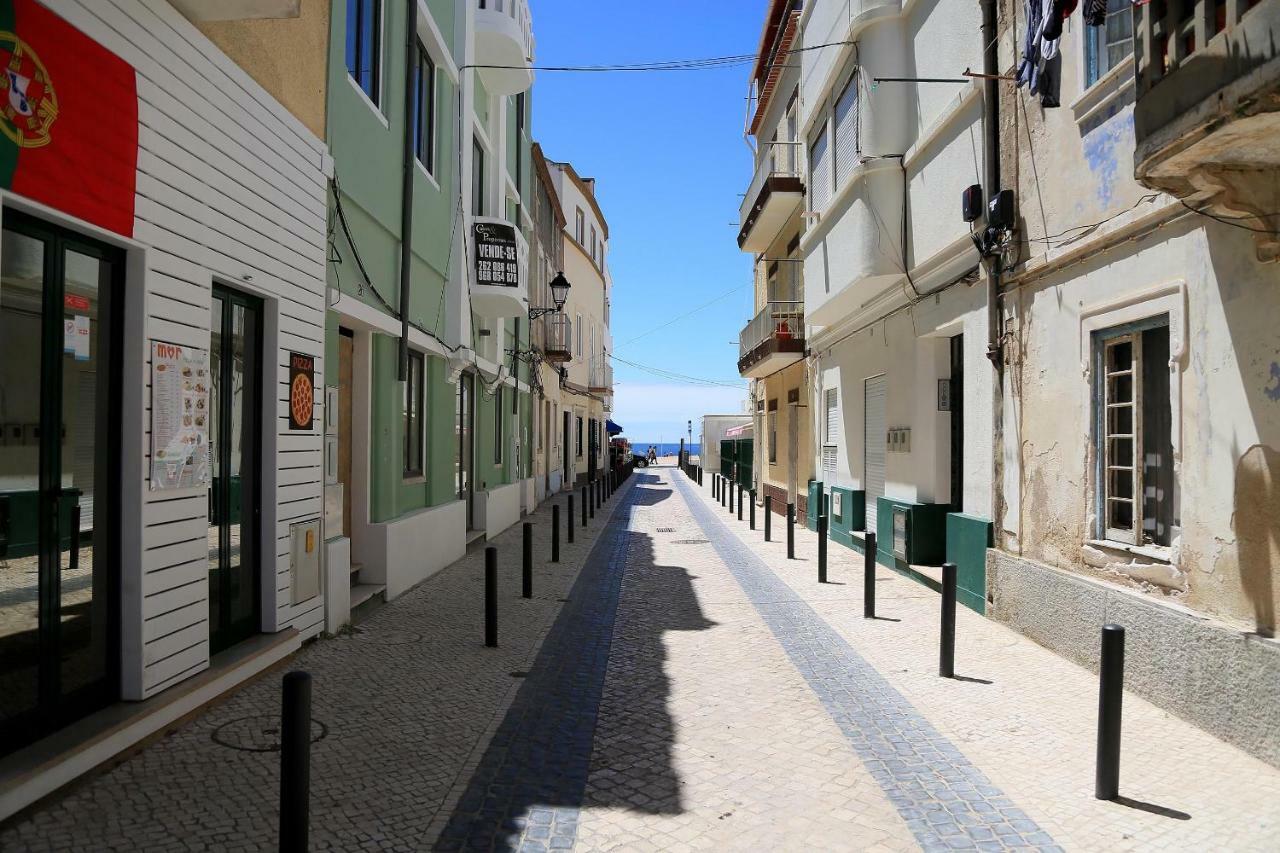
(1039, 69)
(1095, 13)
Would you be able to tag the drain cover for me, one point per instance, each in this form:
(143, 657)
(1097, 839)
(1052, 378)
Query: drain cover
(690, 541)
(666, 530)
(260, 733)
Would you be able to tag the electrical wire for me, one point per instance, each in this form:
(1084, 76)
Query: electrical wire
(680, 377)
(1234, 221)
(689, 313)
(691, 64)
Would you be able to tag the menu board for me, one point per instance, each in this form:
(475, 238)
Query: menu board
(180, 411)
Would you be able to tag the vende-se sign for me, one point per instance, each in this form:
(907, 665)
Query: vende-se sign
(496, 262)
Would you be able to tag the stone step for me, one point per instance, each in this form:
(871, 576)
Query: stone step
(362, 592)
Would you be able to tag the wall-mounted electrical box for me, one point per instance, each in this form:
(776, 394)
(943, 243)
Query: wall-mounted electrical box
(901, 530)
(898, 440)
(837, 503)
(304, 560)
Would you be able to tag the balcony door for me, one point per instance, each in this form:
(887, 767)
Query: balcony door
(60, 296)
(235, 457)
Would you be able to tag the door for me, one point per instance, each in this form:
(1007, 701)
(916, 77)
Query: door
(60, 298)
(793, 451)
(546, 445)
(464, 414)
(566, 481)
(873, 444)
(346, 353)
(235, 461)
(957, 423)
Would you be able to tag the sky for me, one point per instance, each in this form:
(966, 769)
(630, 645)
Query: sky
(671, 165)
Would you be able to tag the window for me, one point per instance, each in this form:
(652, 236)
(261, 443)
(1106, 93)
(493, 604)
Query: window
(364, 46)
(497, 426)
(414, 407)
(1135, 459)
(773, 432)
(424, 109)
(833, 418)
(519, 140)
(819, 171)
(580, 350)
(593, 244)
(846, 129)
(1106, 46)
(579, 226)
(477, 178)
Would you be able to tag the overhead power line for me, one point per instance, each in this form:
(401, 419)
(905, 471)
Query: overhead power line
(692, 64)
(679, 377)
(688, 313)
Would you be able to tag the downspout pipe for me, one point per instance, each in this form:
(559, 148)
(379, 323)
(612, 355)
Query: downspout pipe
(991, 163)
(406, 186)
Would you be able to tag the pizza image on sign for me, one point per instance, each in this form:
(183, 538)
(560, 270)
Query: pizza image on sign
(302, 390)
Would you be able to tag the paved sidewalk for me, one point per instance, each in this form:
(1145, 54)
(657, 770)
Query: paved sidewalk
(677, 684)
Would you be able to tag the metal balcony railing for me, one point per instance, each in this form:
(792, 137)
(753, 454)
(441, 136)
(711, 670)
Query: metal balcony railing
(776, 160)
(783, 321)
(600, 374)
(553, 334)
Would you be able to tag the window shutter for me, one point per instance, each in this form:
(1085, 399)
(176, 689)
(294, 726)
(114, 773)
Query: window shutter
(829, 463)
(847, 147)
(833, 420)
(819, 171)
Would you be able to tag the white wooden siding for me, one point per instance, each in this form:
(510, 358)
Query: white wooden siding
(230, 188)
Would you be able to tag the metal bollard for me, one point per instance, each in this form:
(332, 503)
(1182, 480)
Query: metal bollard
(699, 475)
(739, 502)
(791, 531)
(1110, 701)
(947, 638)
(768, 516)
(555, 533)
(591, 499)
(715, 487)
(822, 548)
(295, 762)
(491, 597)
(722, 490)
(584, 506)
(732, 485)
(752, 514)
(526, 578)
(569, 520)
(869, 578)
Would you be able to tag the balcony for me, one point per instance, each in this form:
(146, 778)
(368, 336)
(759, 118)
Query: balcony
(600, 376)
(504, 45)
(1208, 107)
(554, 336)
(499, 268)
(775, 195)
(772, 340)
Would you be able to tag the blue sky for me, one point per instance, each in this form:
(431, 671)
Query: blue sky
(670, 162)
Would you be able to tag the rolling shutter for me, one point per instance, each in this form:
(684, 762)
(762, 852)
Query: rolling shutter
(833, 418)
(873, 444)
(847, 130)
(819, 171)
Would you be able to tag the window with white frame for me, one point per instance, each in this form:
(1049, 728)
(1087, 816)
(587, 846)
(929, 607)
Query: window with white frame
(1106, 47)
(364, 46)
(1134, 433)
(593, 244)
(819, 170)
(579, 227)
(846, 131)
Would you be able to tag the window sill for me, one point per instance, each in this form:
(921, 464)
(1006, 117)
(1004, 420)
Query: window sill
(1105, 92)
(426, 174)
(1159, 553)
(364, 96)
(413, 479)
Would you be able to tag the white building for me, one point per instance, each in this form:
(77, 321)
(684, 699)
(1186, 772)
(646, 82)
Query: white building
(894, 300)
(159, 505)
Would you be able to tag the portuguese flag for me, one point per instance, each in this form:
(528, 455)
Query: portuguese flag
(68, 118)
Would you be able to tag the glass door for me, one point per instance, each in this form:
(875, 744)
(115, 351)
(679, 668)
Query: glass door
(235, 430)
(464, 414)
(59, 387)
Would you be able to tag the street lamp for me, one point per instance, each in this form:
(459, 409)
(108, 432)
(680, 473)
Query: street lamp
(559, 293)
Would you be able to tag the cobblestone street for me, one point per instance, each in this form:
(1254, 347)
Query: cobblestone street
(675, 684)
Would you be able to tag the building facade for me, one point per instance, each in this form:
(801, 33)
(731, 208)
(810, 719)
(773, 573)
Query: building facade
(162, 306)
(1141, 417)
(586, 383)
(771, 347)
(552, 331)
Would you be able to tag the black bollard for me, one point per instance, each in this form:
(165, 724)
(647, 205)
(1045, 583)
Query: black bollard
(715, 488)
(584, 506)
(869, 578)
(526, 579)
(699, 475)
(791, 531)
(569, 519)
(947, 638)
(555, 533)
(590, 497)
(1110, 700)
(732, 486)
(722, 489)
(295, 762)
(752, 513)
(739, 502)
(768, 516)
(491, 596)
(822, 548)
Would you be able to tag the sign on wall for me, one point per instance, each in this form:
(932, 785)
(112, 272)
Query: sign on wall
(302, 390)
(180, 411)
(496, 263)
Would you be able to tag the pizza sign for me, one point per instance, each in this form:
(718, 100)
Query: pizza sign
(302, 390)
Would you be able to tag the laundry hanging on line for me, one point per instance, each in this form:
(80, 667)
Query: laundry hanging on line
(1041, 67)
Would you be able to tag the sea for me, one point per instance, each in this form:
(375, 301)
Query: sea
(665, 448)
